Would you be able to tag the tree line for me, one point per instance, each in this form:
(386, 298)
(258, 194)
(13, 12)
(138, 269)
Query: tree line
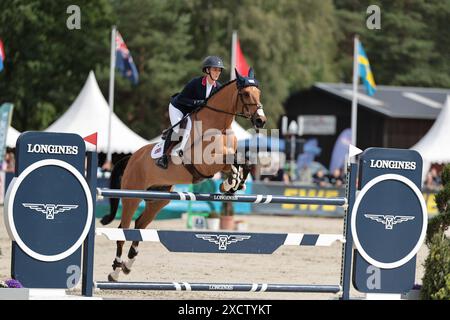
(290, 43)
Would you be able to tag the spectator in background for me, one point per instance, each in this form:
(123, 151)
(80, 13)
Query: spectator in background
(107, 166)
(305, 175)
(280, 176)
(436, 177)
(336, 178)
(105, 170)
(9, 165)
(433, 180)
(304, 172)
(429, 182)
(320, 179)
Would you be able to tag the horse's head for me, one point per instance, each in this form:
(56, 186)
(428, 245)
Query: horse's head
(249, 95)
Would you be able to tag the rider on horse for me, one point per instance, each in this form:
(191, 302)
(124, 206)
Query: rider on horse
(192, 97)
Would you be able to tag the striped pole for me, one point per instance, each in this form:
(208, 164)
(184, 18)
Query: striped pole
(252, 198)
(220, 241)
(185, 286)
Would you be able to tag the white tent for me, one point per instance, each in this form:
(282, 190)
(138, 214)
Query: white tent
(89, 113)
(434, 147)
(11, 137)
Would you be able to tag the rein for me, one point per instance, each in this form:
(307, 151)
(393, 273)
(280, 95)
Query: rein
(240, 114)
(226, 112)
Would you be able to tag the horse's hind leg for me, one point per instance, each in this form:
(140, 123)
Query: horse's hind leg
(147, 216)
(129, 206)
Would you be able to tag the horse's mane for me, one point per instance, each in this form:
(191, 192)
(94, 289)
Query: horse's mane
(218, 90)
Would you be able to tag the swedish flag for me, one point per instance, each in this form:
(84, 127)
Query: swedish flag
(365, 72)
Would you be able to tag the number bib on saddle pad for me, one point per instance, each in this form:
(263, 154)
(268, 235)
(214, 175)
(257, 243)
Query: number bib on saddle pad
(157, 150)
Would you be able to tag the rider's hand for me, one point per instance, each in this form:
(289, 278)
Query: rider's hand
(199, 103)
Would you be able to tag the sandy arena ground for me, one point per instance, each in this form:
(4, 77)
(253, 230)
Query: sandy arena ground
(302, 265)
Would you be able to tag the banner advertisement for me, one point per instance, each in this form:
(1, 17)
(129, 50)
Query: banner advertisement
(311, 191)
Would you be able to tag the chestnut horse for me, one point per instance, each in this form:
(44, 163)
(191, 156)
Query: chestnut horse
(240, 97)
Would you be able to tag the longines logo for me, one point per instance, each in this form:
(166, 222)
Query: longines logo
(222, 240)
(52, 149)
(50, 209)
(392, 164)
(221, 287)
(388, 220)
(224, 197)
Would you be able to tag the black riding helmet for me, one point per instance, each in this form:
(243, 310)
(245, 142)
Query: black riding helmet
(212, 61)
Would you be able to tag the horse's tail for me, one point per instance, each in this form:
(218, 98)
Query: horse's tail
(116, 176)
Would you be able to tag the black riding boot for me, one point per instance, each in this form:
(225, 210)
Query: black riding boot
(163, 161)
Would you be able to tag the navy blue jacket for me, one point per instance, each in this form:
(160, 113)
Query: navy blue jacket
(195, 90)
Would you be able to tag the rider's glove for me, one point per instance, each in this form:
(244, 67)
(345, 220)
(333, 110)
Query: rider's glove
(199, 103)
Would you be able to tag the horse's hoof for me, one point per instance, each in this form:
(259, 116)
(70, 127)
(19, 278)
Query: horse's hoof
(125, 269)
(126, 265)
(114, 276)
(111, 279)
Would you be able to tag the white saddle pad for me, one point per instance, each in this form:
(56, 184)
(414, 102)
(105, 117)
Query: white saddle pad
(158, 149)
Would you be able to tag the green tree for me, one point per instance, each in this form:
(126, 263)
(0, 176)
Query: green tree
(46, 63)
(289, 43)
(411, 48)
(436, 280)
(157, 35)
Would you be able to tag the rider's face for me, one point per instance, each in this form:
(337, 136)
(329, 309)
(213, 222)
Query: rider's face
(215, 73)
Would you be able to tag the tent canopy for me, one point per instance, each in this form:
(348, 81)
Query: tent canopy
(11, 137)
(434, 147)
(89, 113)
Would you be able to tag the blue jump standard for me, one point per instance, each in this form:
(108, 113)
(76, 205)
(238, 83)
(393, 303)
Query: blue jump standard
(189, 196)
(248, 287)
(42, 261)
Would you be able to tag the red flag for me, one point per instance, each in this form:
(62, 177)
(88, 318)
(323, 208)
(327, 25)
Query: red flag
(2, 55)
(92, 138)
(241, 64)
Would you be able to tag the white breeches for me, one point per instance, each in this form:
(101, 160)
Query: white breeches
(175, 116)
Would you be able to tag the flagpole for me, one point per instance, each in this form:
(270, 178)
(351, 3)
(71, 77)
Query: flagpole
(111, 90)
(355, 91)
(233, 55)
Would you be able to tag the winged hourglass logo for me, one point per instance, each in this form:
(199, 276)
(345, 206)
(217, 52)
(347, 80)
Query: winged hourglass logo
(222, 240)
(50, 209)
(388, 220)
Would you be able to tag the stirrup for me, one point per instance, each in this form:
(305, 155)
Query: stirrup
(163, 162)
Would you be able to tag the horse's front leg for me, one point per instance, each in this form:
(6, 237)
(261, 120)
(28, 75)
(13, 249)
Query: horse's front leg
(246, 168)
(232, 181)
(237, 174)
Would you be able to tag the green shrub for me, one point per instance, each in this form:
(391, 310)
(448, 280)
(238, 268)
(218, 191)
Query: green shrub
(436, 280)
